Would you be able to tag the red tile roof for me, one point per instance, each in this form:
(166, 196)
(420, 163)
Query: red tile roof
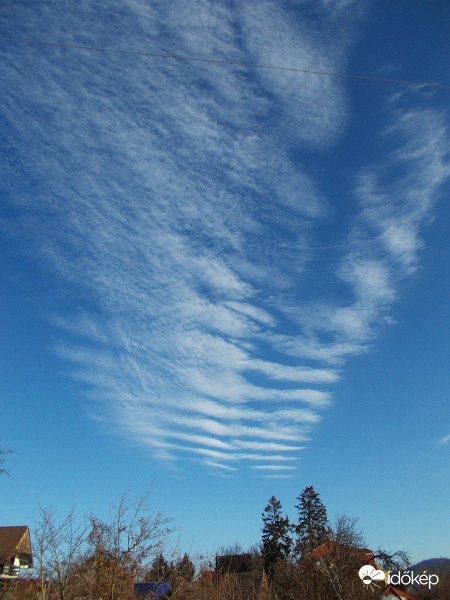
(333, 547)
(397, 593)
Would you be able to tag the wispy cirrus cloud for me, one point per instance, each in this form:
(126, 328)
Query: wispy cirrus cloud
(395, 201)
(168, 200)
(217, 465)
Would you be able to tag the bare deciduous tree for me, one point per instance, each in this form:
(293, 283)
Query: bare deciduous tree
(347, 531)
(331, 570)
(59, 542)
(120, 547)
(392, 562)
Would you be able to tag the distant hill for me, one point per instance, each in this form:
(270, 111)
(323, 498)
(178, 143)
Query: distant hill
(433, 563)
(435, 566)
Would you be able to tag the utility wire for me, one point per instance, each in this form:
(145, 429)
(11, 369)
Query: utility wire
(227, 62)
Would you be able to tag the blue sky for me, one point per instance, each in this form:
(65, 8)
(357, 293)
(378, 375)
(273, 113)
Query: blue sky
(223, 283)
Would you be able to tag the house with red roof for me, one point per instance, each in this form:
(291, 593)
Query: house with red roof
(393, 593)
(333, 548)
(15, 551)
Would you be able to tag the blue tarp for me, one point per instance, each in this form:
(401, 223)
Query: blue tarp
(153, 589)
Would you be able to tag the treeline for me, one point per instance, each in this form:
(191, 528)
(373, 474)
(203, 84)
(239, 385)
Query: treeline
(102, 559)
(310, 559)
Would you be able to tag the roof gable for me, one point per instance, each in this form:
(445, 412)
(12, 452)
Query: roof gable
(15, 541)
(234, 563)
(396, 593)
(330, 548)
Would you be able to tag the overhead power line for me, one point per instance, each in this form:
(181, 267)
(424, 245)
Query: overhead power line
(226, 62)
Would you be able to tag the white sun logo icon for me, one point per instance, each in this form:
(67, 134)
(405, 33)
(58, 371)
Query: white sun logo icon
(369, 574)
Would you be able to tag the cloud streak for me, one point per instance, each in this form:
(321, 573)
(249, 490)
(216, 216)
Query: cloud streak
(165, 199)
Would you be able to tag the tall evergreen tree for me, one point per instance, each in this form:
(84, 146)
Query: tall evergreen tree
(276, 541)
(159, 569)
(184, 569)
(312, 528)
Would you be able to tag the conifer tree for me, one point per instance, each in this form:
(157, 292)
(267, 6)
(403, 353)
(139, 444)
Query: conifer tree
(312, 528)
(159, 569)
(184, 569)
(276, 540)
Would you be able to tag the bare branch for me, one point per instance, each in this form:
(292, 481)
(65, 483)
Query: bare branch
(392, 562)
(59, 544)
(3, 453)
